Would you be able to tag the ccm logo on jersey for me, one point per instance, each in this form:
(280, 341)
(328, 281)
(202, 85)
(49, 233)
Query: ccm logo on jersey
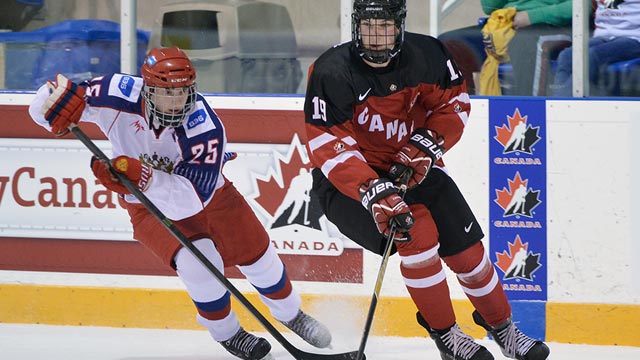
(374, 192)
(196, 119)
(428, 144)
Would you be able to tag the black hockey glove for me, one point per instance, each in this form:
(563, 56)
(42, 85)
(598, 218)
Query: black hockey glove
(381, 198)
(412, 163)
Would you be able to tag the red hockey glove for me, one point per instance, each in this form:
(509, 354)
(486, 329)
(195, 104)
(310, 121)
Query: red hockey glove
(106, 177)
(64, 105)
(412, 163)
(381, 198)
(139, 174)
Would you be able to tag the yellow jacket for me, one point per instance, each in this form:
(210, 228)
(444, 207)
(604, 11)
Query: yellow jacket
(496, 34)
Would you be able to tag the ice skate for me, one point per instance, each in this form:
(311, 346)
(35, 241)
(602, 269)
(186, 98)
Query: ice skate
(247, 346)
(455, 344)
(513, 343)
(310, 330)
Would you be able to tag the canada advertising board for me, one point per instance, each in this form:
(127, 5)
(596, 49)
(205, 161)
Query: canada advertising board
(517, 185)
(48, 193)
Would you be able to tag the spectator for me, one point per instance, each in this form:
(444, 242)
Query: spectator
(533, 19)
(616, 38)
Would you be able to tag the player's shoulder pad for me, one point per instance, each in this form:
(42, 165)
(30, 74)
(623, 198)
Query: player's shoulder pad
(429, 60)
(117, 91)
(124, 86)
(201, 120)
(332, 69)
(427, 46)
(335, 60)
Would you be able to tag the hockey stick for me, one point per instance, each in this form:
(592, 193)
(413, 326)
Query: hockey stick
(168, 224)
(376, 289)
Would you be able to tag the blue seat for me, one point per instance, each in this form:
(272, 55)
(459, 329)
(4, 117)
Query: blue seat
(79, 49)
(624, 66)
(505, 76)
(624, 78)
(31, 2)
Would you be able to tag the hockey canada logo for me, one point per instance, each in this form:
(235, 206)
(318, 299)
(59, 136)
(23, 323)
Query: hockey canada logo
(518, 262)
(518, 199)
(294, 219)
(517, 136)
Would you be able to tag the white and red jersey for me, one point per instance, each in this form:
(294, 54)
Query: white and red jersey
(187, 160)
(615, 18)
(358, 117)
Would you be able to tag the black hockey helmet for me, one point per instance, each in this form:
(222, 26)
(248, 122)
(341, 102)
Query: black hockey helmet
(395, 10)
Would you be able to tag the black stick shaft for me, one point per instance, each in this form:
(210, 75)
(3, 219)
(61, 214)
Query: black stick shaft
(376, 294)
(376, 289)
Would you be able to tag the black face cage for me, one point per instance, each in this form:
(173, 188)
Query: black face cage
(386, 10)
(159, 118)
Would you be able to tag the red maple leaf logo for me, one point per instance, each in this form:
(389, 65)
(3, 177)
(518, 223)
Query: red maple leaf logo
(505, 259)
(503, 133)
(271, 192)
(504, 196)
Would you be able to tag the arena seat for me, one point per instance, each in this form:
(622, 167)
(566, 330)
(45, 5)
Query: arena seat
(79, 49)
(625, 76)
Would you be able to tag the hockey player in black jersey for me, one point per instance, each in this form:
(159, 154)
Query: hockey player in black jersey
(381, 110)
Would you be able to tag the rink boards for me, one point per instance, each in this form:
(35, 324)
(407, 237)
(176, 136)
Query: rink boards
(574, 227)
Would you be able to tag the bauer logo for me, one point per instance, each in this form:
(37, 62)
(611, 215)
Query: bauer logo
(126, 85)
(517, 199)
(293, 216)
(518, 262)
(196, 118)
(517, 136)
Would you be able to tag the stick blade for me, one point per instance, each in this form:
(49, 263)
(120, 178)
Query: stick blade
(302, 355)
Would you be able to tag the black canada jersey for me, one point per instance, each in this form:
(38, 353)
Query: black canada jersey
(357, 117)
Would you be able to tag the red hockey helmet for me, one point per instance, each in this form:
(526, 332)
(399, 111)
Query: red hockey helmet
(169, 86)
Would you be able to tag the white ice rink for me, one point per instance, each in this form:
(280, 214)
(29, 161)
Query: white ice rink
(36, 342)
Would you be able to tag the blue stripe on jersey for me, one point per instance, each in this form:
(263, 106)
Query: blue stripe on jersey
(203, 153)
(274, 288)
(66, 97)
(98, 93)
(214, 305)
(203, 177)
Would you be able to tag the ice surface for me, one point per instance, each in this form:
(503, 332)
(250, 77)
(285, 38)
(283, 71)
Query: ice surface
(34, 342)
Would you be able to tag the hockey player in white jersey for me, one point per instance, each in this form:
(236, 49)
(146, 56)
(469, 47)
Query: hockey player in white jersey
(168, 141)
